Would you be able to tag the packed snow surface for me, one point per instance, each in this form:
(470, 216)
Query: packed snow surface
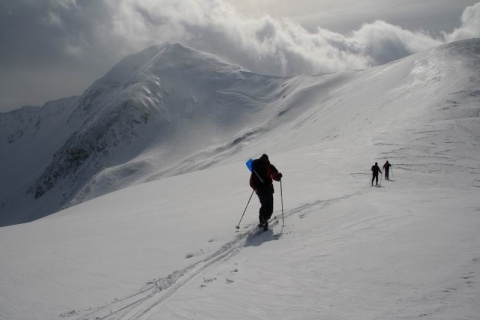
(338, 248)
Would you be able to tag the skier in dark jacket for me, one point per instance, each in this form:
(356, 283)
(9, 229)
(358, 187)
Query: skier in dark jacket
(375, 171)
(261, 180)
(386, 167)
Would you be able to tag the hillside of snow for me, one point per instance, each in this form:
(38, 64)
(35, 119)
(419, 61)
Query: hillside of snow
(161, 112)
(341, 249)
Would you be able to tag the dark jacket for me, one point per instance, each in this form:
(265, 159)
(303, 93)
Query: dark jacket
(376, 169)
(263, 174)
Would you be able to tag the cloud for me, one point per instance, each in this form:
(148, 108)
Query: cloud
(470, 25)
(383, 42)
(85, 38)
(263, 45)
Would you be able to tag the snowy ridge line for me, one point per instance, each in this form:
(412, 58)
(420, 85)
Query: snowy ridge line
(206, 158)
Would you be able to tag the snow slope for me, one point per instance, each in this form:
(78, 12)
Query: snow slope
(168, 248)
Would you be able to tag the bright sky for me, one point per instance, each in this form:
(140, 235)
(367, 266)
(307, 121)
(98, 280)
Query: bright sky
(57, 48)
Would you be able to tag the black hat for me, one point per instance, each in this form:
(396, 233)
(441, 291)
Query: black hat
(264, 157)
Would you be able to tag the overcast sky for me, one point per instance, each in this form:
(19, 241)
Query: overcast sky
(51, 49)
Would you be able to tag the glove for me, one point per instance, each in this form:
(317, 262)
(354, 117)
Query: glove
(280, 176)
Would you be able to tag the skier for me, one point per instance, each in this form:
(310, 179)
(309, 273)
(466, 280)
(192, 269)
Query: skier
(375, 171)
(261, 181)
(387, 166)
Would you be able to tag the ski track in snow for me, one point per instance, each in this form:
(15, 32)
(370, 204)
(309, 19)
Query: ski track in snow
(155, 292)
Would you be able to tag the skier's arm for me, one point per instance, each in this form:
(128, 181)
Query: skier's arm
(277, 176)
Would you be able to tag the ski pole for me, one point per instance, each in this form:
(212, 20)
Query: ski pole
(238, 226)
(281, 197)
(258, 176)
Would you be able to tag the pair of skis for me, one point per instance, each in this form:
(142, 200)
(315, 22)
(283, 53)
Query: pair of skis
(269, 223)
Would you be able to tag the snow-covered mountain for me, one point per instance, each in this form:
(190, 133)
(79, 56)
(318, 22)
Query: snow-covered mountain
(156, 113)
(170, 109)
(184, 123)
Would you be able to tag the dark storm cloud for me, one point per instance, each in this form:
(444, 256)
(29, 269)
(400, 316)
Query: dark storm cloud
(46, 50)
(55, 48)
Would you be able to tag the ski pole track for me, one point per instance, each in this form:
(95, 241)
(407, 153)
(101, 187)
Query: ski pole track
(143, 302)
(140, 303)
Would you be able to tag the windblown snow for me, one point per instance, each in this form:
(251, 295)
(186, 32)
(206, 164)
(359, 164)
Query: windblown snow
(149, 168)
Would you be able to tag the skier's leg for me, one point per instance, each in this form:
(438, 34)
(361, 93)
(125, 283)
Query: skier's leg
(260, 211)
(264, 207)
(268, 205)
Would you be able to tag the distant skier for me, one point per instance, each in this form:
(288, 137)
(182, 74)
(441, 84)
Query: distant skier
(375, 171)
(386, 167)
(261, 181)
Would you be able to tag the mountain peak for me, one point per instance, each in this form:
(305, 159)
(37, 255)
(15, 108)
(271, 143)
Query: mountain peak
(166, 97)
(167, 56)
